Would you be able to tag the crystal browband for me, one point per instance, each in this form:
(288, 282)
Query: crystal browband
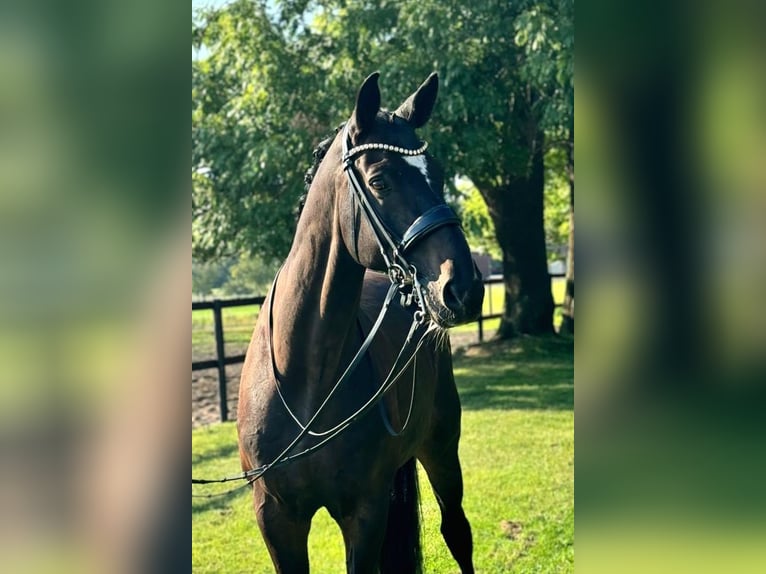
(385, 147)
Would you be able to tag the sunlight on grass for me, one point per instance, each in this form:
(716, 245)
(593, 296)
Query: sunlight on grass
(517, 453)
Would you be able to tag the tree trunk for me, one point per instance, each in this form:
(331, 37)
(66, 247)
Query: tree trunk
(516, 209)
(567, 322)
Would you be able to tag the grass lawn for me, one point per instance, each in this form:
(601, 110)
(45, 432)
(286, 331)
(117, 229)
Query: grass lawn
(517, 453)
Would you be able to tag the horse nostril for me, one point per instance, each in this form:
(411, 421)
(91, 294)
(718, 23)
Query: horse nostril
(451, 296)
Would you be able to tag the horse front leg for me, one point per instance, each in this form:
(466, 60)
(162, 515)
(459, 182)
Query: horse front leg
(442, 465)
(285, 533)
(363, 525)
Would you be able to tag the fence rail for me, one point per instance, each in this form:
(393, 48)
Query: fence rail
(221, 360)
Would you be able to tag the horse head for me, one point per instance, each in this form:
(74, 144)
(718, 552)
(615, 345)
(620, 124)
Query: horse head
(395, 219)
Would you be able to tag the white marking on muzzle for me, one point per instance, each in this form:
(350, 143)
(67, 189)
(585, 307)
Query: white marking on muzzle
(419, 162)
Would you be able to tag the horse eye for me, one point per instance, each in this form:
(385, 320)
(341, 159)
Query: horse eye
(378, 184)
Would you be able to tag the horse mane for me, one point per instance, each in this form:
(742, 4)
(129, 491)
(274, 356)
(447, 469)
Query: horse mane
(319, 152)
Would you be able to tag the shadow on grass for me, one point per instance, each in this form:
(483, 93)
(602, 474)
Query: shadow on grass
(223, 502)
(526, 373)
(220, 454)
(223, 451)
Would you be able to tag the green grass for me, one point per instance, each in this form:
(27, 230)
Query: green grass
(517, 452)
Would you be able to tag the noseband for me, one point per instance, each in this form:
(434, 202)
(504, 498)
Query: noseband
(394, 249)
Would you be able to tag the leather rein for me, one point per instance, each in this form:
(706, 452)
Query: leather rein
(404, 280)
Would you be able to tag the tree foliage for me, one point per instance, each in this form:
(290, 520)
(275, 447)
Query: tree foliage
(272, 84)
(477, 223)
(254, 118)
(232, 276)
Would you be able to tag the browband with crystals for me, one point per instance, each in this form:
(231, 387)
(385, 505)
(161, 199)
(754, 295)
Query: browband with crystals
(385, 147)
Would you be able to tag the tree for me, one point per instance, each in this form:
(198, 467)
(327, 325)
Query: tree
(232, 276)
(545, 32)
(505, 71)
(253, 124)
(210, 276)
(250, 275)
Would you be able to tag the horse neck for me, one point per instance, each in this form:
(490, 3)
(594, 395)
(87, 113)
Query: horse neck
(317, 294)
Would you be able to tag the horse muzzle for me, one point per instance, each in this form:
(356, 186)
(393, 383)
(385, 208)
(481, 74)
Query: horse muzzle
(455, 298)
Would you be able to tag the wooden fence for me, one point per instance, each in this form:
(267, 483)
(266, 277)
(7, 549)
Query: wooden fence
(221, 360)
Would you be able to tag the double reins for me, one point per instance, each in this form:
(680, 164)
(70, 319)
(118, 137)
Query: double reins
(404, 280)
(285, 457)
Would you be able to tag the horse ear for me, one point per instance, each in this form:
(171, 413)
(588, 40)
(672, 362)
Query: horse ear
(418, 107)
(367, 104)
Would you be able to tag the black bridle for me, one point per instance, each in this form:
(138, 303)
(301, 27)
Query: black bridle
(394, 249)
(404, 279)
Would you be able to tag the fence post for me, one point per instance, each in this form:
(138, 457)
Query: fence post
(489, 290)
(220, 357)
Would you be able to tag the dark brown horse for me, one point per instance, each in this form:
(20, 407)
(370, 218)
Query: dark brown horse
(374, 217)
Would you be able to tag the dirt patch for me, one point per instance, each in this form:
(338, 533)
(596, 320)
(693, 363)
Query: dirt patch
(206, 407)
(511, 529)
